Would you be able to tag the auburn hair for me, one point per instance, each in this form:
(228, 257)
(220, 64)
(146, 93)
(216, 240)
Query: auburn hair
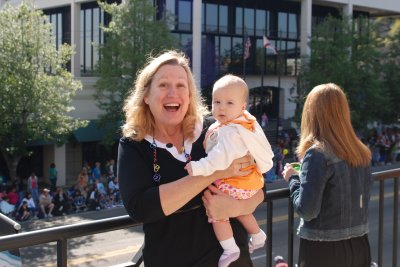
(326, 123)
(139, 120)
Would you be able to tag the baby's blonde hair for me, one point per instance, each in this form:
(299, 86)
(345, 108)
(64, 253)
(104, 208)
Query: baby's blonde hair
(232, 80)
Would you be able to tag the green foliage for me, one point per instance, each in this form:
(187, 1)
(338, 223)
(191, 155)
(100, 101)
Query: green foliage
(391, 70)
(133, 34)
(35, 87)
(350, 54)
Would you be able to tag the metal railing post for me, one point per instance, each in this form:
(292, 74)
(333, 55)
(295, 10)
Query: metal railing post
(395, 220)
(290, 232)
(381, 214)
(269, 233)
(62, 252)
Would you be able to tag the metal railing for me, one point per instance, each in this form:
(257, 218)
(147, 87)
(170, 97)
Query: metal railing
(61, 234)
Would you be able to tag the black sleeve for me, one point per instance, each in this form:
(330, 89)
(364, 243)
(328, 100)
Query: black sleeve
(140, 195)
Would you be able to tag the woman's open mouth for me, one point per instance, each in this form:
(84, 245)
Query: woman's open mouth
(172, 106)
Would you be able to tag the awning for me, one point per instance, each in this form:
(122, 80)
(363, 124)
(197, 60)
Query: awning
(90, 133)
(95, 132)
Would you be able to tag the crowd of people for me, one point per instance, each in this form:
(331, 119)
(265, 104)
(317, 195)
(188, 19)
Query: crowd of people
(94, 189)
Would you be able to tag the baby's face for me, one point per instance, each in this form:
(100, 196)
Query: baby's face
(228, 103)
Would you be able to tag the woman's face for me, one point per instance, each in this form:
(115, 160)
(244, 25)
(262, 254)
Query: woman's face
(168, 96)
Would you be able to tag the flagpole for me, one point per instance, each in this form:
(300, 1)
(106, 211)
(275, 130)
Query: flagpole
(279, 81)
(262, 64)
(244, 63)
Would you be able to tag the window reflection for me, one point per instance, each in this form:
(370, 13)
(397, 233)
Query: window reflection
(223, 19)
(228, 24)
(185, 15)
(91, 35)
(211, 17)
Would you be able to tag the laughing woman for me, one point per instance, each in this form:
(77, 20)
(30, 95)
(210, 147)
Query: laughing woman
(163, 131)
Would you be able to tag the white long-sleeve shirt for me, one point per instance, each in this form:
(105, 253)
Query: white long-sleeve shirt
(229, 142)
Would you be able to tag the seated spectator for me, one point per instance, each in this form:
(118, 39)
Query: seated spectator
(79, 201)
(23, 212)
(5, 207)
(46, 203)
(13, 197)
(31, 204)
(82, 180)
(61, 202)
(94, 199)
(110, 176)
(113, 191)
(101, 188)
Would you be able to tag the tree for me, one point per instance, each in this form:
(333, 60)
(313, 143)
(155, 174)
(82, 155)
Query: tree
(391, 70)
(35, 86)
(133, 34)
(349, 54)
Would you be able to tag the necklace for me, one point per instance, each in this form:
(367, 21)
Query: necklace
(156, 166)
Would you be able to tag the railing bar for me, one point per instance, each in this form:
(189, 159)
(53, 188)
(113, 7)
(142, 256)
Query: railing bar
(11, 222)
(395, 220)
(269, 232)
(290, 232)
(62, 249)
(381, 214)
(138, 258)
(42, 236)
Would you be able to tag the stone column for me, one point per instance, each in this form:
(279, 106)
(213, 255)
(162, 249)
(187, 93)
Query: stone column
(305, 26)
(196, 45)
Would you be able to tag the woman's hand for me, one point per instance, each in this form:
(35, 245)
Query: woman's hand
(235, 169)
(220, 206)
(288, 171)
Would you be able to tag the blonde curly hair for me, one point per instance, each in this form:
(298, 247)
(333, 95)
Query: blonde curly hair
(139, 119)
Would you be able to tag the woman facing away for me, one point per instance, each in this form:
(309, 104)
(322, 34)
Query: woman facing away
(331, 192)
(163, 131)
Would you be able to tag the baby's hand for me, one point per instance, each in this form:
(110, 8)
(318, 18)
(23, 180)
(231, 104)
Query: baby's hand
(188, 168)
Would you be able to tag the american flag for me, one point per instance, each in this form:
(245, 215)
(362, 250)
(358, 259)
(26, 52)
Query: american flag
(267, 44)
(246, 52)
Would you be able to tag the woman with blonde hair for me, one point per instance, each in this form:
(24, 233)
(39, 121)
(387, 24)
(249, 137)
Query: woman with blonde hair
(331, 191)
(163, 131)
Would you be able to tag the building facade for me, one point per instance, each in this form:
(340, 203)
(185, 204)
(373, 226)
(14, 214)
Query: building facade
(213, 33)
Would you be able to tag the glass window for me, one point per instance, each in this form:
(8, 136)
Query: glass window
(224, 53)
(223, 19)
(92, 17)
(211, 17)
(88, 40)
(292, 60)
(96, 34)
(239, 21)
(282, 24)
(260, 22)
(292, 26)
(186, 42)
(185, 15)
(249, 21)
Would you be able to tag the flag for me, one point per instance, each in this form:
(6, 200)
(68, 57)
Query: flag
(246, 50)
(267, 44)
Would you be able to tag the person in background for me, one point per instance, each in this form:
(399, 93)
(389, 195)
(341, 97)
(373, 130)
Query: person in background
(13, 197)
(82, 180)
(33, 186)
(53, 174)
(46, 203)
(331, 192)
(23, 212)
(234, 134)
(61, 202)
(162, 132)
(31, 204)
(96, 172)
